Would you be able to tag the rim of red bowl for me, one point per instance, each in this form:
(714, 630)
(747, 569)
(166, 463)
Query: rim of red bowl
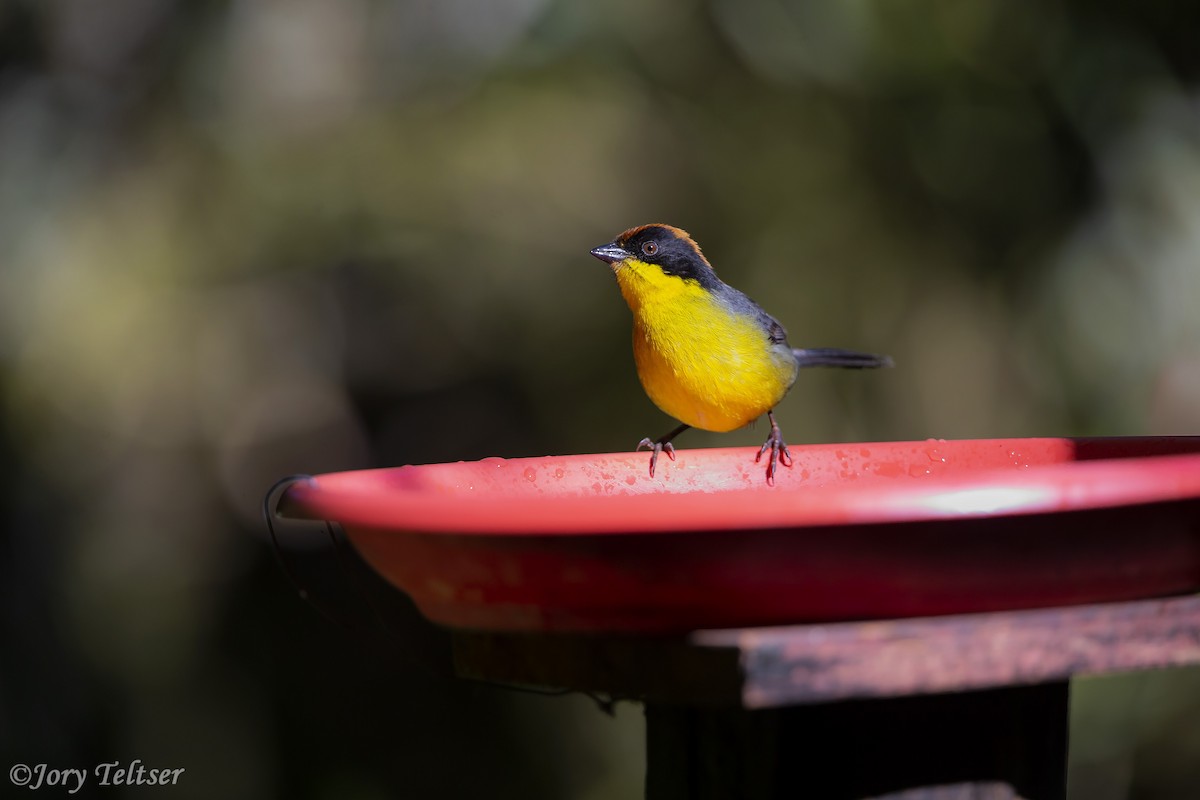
(445, 498)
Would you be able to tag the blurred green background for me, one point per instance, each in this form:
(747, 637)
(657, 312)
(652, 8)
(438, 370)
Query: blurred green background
(240, 240)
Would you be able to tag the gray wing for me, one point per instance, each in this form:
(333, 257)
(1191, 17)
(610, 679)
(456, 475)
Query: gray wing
(741, 304)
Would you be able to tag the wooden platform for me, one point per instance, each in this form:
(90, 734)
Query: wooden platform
(971, 706)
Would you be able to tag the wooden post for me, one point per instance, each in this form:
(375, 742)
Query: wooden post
(1000, 743)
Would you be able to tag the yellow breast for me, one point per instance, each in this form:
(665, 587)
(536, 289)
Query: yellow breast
(698, 362)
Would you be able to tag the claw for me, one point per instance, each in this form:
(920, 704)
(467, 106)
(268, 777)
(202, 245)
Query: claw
(779, 450)
(655, 448)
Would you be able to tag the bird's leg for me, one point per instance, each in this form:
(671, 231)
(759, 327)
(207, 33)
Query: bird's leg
(779, 451)
(661, 445)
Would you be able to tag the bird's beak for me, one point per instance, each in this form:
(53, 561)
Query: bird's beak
(611, 253)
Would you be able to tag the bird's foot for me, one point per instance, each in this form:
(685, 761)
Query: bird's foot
(661, 445)
(656, 446)
(779, 451)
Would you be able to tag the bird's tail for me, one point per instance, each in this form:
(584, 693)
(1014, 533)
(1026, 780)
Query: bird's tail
(834, 357)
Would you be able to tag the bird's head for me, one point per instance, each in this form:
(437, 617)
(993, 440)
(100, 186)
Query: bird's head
(664, 248)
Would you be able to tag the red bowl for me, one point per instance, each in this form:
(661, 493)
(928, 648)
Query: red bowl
(850, 531)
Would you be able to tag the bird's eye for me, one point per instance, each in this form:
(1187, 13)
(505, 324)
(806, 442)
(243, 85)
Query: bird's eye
(650, 248)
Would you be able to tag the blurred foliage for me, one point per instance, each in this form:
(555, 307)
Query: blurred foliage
(245, 239)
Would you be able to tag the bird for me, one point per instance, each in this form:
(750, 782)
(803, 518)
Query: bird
(706, 354)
